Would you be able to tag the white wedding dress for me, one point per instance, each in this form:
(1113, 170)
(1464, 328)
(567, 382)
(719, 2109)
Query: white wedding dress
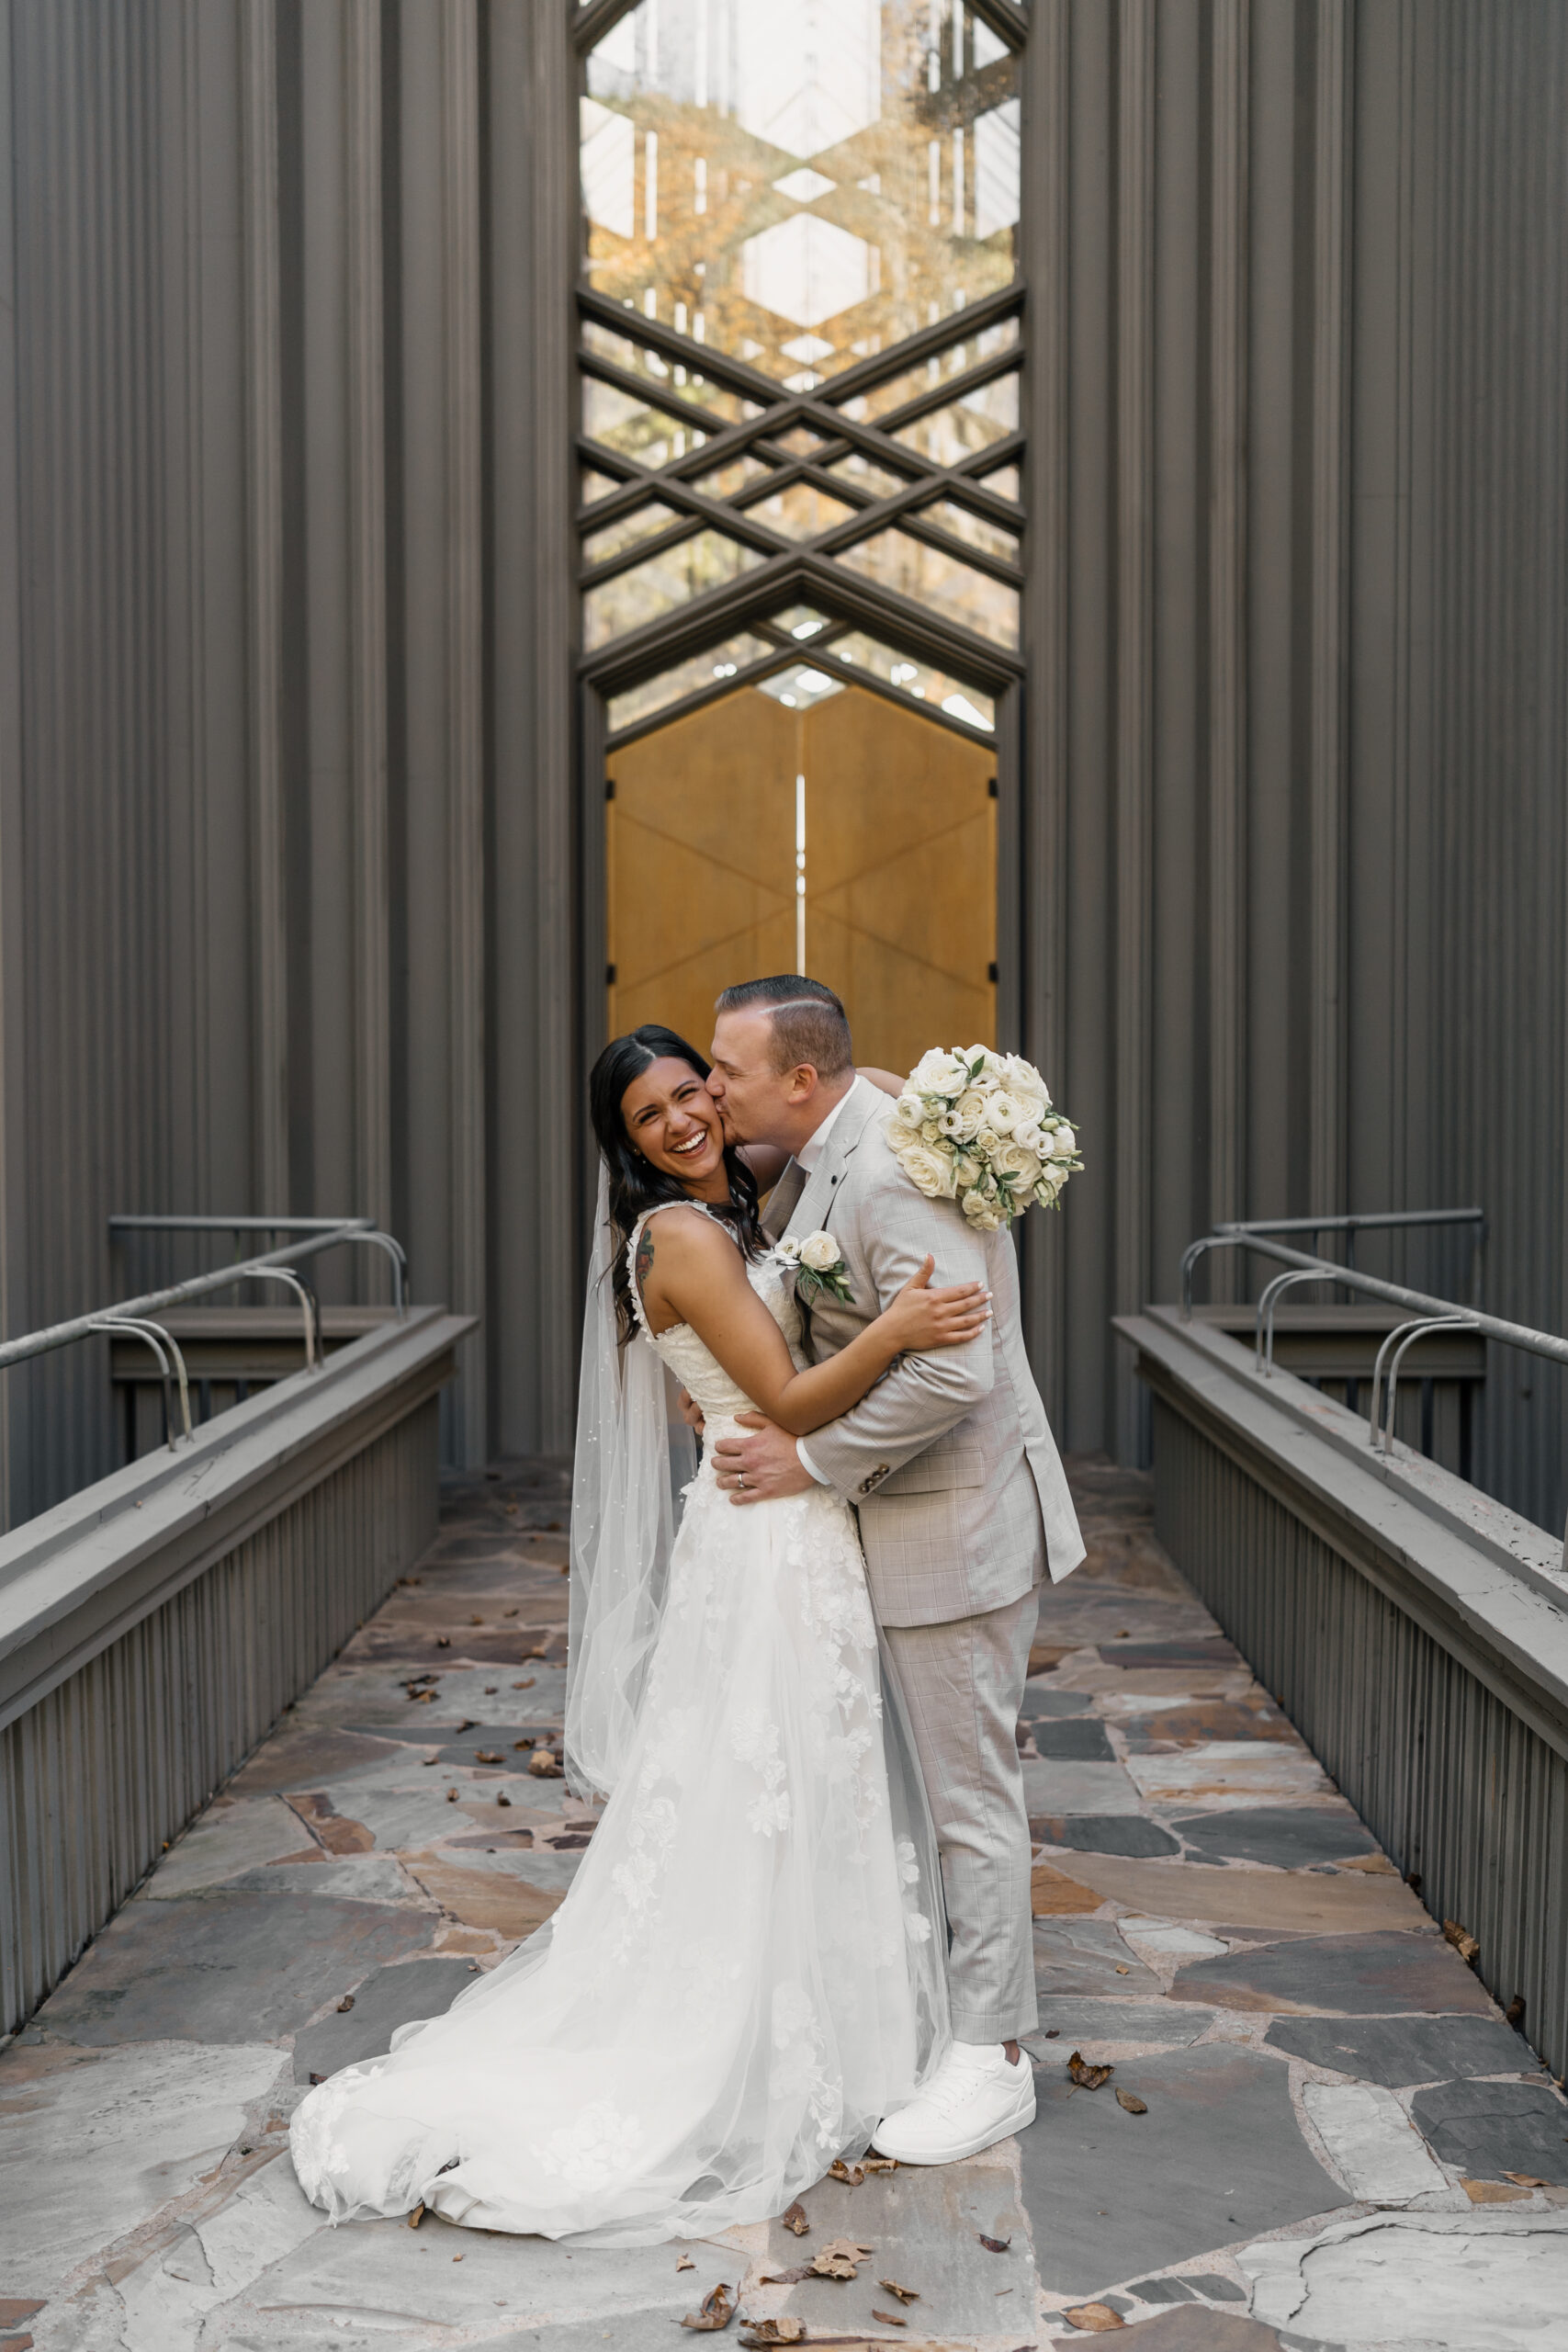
(748, 1972)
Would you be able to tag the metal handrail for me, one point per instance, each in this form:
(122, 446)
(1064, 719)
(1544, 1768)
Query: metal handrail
(1236, 1234)
(1399, 1339)
(1263, 1322)
(153, 1336)
(29, 1344)
(363, 1230)
(281, 1274)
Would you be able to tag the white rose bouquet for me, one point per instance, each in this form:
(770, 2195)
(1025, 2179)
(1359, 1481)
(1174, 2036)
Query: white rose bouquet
(978, 1128)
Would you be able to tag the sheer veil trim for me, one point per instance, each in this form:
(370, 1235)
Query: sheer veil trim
(633, 1458)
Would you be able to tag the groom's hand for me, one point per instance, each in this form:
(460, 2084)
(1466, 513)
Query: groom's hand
(760, 1466)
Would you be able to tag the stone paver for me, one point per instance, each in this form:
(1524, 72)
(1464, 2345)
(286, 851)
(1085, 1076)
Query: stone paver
(1331, 2104)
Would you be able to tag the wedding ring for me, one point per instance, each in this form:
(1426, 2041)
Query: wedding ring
(741, 1477)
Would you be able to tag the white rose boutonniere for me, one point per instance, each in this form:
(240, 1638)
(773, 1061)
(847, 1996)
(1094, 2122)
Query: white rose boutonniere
(788, 1249)
(821, 1266)
(979, 1128)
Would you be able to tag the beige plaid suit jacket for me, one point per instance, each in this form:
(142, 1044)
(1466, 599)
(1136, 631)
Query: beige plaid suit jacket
(949, 1460)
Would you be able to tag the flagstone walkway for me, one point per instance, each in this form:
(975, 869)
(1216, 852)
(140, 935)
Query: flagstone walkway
(1329, 2136)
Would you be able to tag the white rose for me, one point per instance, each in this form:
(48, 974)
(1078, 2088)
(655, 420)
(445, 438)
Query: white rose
(987, 1141)
(965, 1173)
(1052, 1179)
(931, 1130)
(981, 1054)
(932, 1172)
(908, 1109)
(982, 1213)
(1033, 1136)
(1012, 1160)
(819, 1250)
(1004, 1110)
(1064, 1143)
(937, 1072)
(1021, 1077)
(971, 1107)
(788, 1249)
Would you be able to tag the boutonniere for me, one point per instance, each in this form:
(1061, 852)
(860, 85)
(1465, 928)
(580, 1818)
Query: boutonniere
(818, 1266)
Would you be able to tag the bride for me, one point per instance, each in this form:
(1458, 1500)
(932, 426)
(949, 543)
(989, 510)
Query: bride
(748, 1972)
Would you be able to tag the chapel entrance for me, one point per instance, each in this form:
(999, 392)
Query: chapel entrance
(836, 834)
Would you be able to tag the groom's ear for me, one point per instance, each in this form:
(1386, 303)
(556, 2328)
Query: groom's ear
(801, 1083)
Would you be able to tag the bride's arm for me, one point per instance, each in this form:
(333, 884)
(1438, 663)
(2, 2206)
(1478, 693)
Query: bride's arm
(691, 1273)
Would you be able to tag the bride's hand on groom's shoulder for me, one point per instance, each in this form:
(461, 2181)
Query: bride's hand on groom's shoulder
(760, 1466)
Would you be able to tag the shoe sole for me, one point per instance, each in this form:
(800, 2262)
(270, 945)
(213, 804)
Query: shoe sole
(955, 2151)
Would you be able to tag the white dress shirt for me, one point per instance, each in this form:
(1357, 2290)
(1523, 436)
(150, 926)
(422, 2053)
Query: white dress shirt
(807, 1157)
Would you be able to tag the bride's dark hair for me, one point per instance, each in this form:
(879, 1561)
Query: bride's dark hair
(635, 1184)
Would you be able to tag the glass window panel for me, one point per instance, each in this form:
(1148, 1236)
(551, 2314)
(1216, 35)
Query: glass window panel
(666, 375)
(725, 479)
(704, 670)
(803, 194)
(800, 441)
(596, 485)
(621, 423)
(860, 470)
(599, 546)
(800, 512)
(666, 579)
(954, 361)
(951, 435)
(1005, 480)
(800, 620)
(917, 678)
(994, 538)
(930, 577)
(800, 685)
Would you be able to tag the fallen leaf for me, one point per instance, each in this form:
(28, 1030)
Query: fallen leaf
(1464, 1943)
(318, 2079)
(1086, 2077)
(528, 1684)
(1491, 2192)
(456, 2258)
(444, 1641)
(508, 1613)
(491, 1690)
(346, 2003)
(543, 1765)
(488, 1756)
(503, 1799)
(888, 2319)
(776, 2331)
(1122, 1969)
(794, 2219)
(1093, 2318)
(1515, 2012)
(466, 1724)
(1051, 2033)
(905, 2294)
(841, 2258)
(475, 1621)
(879, 2164)
(993, 2245)
(416, 2217)
(521, 1743)
(1134, 2105)
(1528, 2179)
(686, 2263)
(786, 2277)
(451, 1796)
(715, 2311)
(840, 2170)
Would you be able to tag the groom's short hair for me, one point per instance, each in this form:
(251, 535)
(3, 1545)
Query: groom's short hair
(809, 1023)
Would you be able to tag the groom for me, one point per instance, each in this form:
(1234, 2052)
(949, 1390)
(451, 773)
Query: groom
(962, 1505)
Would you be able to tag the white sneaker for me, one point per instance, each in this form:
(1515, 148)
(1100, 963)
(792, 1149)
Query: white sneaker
(975, 2097)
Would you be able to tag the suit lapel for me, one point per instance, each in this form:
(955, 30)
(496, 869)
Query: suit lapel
(782, 1200)
(813, 1208)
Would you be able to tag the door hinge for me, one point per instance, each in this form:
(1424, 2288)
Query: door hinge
(610, 787)
(609, 976)
(992, 974)
(991, 787)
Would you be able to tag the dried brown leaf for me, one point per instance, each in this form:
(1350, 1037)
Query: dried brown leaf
(905, 2294)
(488, 1756)
(346, 2003)
(715, 2311)
(786, 2277)
(416, 2217)
(1086, 2077)
(451, 1796)
(503, 1799)
(527, 1682)
(686, 2263)
(794, 2219)
(841, 2258)
(443, 1640)
(1122, 1969)
(475, 1621)
(1134, 2105)
(1528, 2179)
(776, 2331)
(888, 2319)
(993, 2245)
(1095, 2319)
(852, 2175)
(317, 2078)
(1464, 1943)
(543, 1765)
(1515, 2012)
(879, 2164)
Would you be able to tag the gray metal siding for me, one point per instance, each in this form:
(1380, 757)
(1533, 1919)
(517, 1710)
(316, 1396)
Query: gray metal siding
(114, 1761)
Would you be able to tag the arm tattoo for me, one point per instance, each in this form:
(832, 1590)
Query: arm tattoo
(644, 1258)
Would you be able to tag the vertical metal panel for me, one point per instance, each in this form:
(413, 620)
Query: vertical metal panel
(1456, 1787)
(115, 1761)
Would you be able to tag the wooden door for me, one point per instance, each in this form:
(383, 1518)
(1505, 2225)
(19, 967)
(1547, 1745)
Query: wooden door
(900, 901)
